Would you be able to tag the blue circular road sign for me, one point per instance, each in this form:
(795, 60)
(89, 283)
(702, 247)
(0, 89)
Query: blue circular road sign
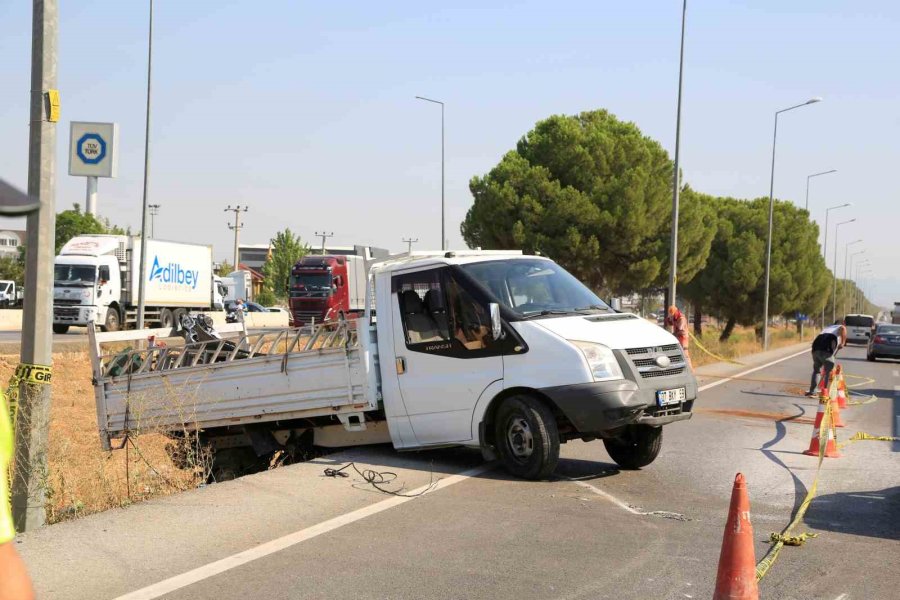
(91, 148)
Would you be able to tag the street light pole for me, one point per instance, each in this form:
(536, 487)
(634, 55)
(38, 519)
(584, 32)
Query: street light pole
(409, 242)
(825, 247)
(29, 481)
(771, 217)
(673, 252)
(443, 233)
(848, 258)
(144, 210)
(808, 177)
(834, 269)
(154, 210)
(238, 225)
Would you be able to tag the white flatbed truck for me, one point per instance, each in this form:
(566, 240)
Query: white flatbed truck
(493, 350)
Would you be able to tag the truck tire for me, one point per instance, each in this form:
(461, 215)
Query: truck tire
(176, 316)
(527, 438)
(166, 318)
(60, 329)
(637, 447)
(112, 320)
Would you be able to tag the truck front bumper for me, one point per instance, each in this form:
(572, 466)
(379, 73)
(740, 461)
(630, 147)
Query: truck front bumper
(74, 315)
(605, 405)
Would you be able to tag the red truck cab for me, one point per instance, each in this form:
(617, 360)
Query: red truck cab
(325, 288)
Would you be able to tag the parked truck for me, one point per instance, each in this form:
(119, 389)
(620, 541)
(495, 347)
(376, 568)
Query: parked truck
(895, 314)
(492, 350)
(327, 287)
(95, 281)
(11, 295)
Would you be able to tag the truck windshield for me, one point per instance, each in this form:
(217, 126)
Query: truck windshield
(75, 275)
(535, 287)
(311, 284)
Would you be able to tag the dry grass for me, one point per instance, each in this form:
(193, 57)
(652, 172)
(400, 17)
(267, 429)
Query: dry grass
(83, 478)
(742, 342)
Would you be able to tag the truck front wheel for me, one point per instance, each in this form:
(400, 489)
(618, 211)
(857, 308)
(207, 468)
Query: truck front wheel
(527, 437)
(637, 447)
(112, 320)
(60, 329)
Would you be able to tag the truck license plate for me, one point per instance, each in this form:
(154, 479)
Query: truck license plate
(666, 397)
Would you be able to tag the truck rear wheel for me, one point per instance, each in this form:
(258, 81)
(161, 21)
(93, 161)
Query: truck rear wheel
(112, 320)
(527, 437)
(60, 329)
(166, 318)
(637, 447)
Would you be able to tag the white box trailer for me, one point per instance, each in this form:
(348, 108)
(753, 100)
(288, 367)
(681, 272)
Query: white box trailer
(491, 350)
(96, 280)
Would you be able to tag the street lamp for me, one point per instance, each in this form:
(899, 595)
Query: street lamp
(771, 217)
(849, 273)
(673, 252)
(808, 177)
(834, 269)
(443, 239)
(825, 245)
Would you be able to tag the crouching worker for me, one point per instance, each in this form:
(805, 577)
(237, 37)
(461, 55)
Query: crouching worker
(824, 349)
(679, 324)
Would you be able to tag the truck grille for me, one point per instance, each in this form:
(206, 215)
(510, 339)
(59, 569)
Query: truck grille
(65, 312)
(644, 360)
(303, 317)
(67, 301)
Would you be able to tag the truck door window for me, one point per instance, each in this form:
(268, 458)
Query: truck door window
(104, 274)
(469, 319)
(421, 298)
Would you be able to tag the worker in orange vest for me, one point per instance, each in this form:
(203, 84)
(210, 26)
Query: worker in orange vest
(679, 324)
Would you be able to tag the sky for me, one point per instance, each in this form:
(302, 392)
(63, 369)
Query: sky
(306, 113)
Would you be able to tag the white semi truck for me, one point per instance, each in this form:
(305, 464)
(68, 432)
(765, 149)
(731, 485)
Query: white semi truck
(492, 350)
(95, 281)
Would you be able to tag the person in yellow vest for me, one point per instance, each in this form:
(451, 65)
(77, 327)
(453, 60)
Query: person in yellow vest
(14, 581)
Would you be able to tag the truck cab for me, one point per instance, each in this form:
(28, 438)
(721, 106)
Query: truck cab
(514, 355)
(87, 284)
(323, 287)
(10, 294)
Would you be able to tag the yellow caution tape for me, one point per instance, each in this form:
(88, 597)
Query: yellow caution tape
(713, 354)
(785, 538)
(25, 373)
(780, 540)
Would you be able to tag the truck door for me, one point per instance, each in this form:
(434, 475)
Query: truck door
(445, 354)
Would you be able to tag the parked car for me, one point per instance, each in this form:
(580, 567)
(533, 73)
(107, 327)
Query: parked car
(885, 343)
(249, 307)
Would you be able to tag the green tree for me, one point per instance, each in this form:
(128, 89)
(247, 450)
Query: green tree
(593, 193)
(73, 222)
(225, 269)
(286, 250)
(12, 269)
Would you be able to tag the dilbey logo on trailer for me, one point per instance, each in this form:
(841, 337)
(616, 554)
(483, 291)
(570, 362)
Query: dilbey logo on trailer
(173, 273)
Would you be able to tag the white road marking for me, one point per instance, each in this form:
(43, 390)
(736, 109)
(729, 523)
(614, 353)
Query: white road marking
(703, 388)
(241, 558)
(896, 373)
(842, 597)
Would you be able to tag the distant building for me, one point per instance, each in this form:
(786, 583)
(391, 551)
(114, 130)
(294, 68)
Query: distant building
(10, 240)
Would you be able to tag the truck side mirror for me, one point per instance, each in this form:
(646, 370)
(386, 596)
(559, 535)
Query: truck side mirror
(496, 321)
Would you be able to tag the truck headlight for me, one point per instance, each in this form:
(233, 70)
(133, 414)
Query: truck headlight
(601, 360)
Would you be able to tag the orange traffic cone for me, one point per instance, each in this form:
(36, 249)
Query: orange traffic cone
(841, 388)
(736, 579)
(831, 450)
(832, 396)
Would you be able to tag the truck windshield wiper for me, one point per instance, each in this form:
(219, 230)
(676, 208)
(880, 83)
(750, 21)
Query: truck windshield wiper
(595, 307)
(545, 312)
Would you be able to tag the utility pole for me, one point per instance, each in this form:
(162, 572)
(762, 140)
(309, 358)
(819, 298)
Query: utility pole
(324, 235)
(236, 228)
(144, 209)
(673, 252)
(409, 242)
(33, 415)
(154, 210)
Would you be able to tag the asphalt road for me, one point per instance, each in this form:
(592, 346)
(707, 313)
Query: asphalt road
(77, 336)
(591, 532)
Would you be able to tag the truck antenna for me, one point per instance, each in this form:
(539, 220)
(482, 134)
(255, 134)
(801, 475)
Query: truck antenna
(324, 235)
(409, 242)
